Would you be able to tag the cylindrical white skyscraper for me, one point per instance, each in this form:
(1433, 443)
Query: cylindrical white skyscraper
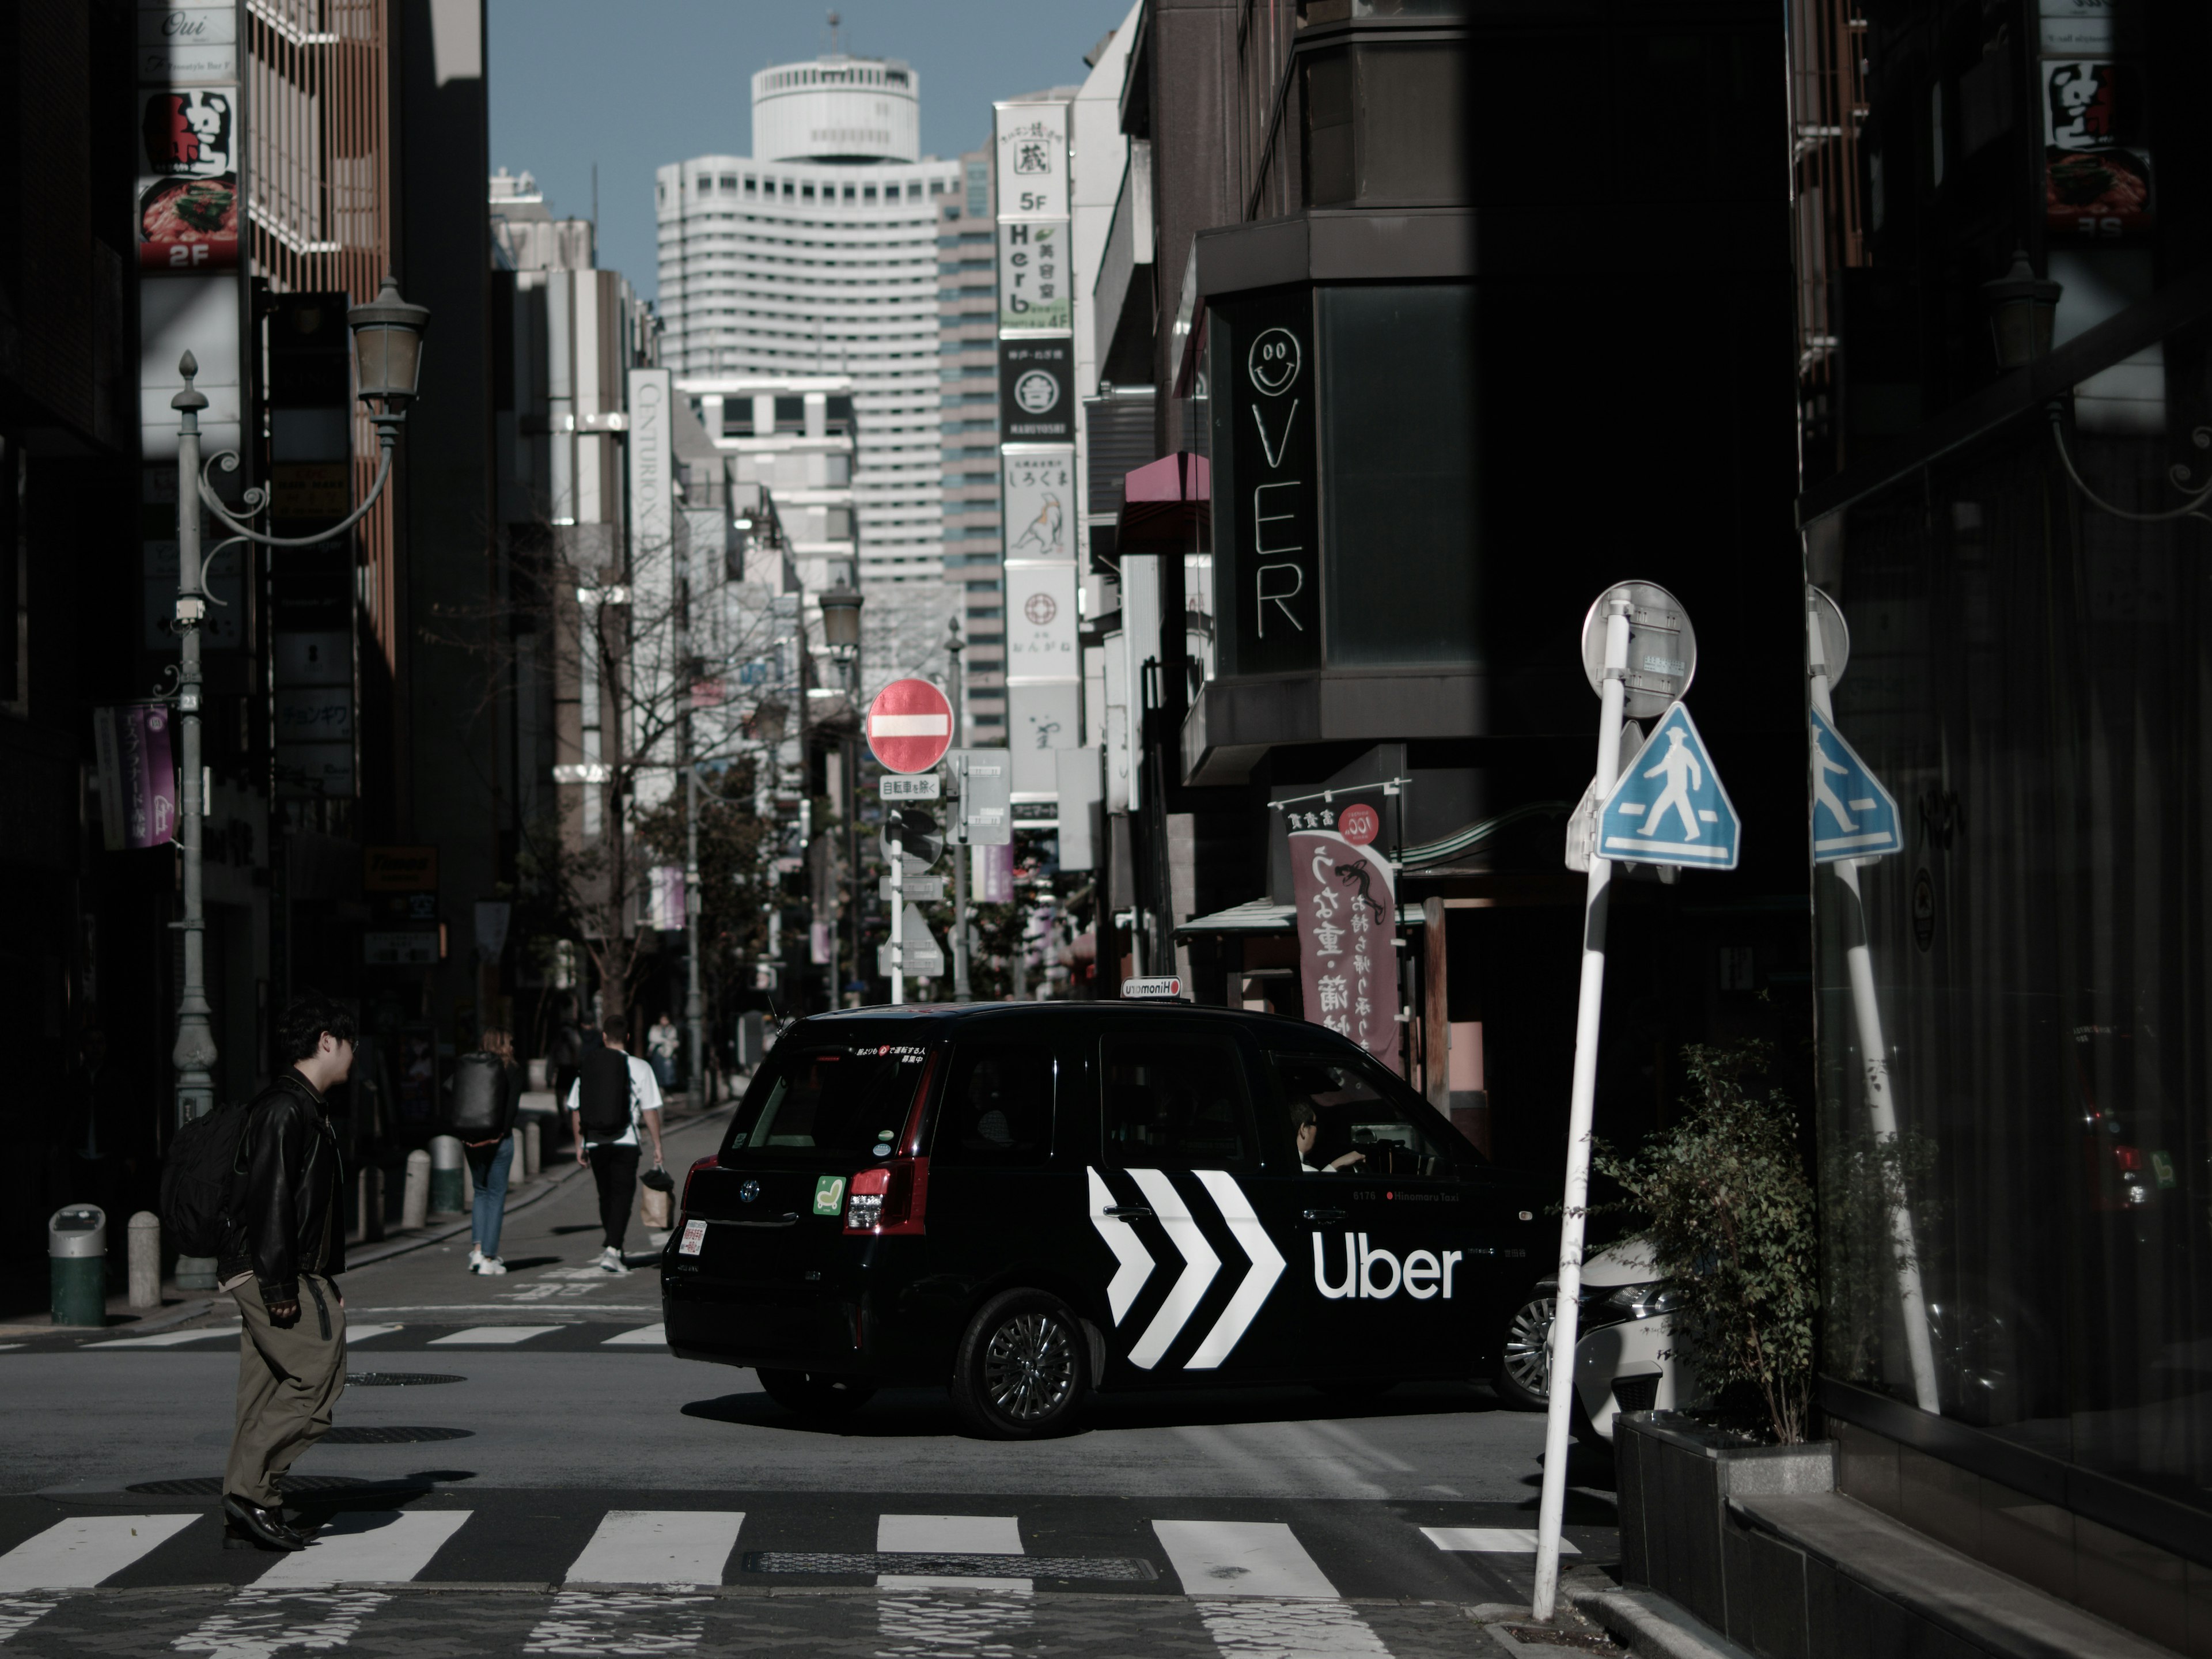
(837, 109)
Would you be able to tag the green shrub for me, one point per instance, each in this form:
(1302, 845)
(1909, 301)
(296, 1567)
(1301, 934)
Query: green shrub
(1730, 1215)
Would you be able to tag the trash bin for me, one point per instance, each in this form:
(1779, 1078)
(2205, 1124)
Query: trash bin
(77, 1251)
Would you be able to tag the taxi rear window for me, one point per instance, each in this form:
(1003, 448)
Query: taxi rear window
(846, 1099)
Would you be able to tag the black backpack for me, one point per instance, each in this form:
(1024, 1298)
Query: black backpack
(479, 1103)
(199, 1178)
(602, 1094)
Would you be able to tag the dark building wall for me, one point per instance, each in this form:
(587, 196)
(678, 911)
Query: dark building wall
(450, 791)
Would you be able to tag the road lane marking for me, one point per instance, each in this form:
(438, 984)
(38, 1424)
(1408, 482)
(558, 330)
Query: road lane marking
(916, 1618)
(624, 1622)
(648, 1336)
(491, 1336)
(370, 1546)
(254, 1624)
(1284, 1606)
(86, 1550)
(1490, 1541)
(685, 1548)
(166, 1340)
(363, 1333)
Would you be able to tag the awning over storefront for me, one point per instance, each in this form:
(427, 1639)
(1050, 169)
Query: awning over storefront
(1165, 504)
(1260, 915)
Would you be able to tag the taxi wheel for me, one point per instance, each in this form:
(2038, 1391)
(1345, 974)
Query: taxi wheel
(1022, 1370)
(817, 1394)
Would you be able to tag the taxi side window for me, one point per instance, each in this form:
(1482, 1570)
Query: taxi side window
(1174, 1101)
(997, 1110)
(830, 1099)
(1360, 1128)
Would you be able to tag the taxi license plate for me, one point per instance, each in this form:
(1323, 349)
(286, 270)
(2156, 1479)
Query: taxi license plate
(695, 1237)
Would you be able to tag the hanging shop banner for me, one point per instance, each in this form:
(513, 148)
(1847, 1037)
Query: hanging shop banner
(137, 775)
(1032, 157)
(1042, 718)
(1040, 618)
(1040, 515)
(187, 207)
(1346, 903)
(1036, 392)
(1270, 594)
(2096, 169)
(994, 873)
(1034, 290)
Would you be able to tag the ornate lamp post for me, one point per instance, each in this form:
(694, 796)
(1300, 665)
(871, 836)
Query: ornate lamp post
(387, 339)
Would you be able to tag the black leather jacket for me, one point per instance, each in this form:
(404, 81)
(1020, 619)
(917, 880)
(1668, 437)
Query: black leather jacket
(288, 1217)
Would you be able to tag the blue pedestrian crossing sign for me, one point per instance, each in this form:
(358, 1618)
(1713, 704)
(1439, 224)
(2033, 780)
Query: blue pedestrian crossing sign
(1668, 806)
(1853, 815)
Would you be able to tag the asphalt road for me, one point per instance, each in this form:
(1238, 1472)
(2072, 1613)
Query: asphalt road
(566, 1486)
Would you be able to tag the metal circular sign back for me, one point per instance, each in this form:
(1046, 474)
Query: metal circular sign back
(1663, 648)
(909, 726)
(1835, 632)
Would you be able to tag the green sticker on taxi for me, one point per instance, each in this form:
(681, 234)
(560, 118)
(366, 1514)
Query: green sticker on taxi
(828, 1194)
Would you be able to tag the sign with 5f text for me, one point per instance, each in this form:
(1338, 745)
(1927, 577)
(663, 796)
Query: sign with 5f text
(1262, 361)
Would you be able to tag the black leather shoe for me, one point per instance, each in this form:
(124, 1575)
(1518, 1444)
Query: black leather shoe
(248, 1526)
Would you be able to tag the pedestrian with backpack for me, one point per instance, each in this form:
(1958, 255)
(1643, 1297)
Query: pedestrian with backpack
(483, 1095)
(615, 1095)
(283, 1246)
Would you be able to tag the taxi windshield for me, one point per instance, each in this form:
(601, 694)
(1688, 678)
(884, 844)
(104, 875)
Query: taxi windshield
(849, 1099)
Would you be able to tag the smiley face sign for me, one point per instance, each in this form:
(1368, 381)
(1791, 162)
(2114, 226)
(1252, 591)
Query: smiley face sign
(1274, 362)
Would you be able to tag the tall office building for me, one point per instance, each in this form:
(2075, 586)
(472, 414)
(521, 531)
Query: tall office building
(817, 255)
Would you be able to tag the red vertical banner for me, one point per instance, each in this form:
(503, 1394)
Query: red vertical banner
(1345, 901)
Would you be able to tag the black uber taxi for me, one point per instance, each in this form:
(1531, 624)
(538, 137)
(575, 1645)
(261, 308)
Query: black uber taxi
(1029, 1201)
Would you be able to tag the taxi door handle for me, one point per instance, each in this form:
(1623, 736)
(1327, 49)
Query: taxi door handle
(1127, 1212)
(1324, 1216)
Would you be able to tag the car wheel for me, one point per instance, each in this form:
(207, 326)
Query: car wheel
(1524, 1366)
(1022, 1369)
(817, 1394)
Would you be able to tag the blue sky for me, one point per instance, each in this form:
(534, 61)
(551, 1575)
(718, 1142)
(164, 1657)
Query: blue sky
(633, 84)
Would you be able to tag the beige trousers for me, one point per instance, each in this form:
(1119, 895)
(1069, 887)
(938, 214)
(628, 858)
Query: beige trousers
(289, 1379)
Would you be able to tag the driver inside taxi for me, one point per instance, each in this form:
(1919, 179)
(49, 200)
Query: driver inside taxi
(1308, 1123)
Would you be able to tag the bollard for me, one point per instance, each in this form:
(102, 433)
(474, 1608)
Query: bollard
(76, 1252)
(533, 1149)
(144, 1231)
(368, 1204)
(538, 1076)
(415, 1198)
(449, 1180)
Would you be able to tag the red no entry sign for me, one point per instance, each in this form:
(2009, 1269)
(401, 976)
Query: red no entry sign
(909, 726)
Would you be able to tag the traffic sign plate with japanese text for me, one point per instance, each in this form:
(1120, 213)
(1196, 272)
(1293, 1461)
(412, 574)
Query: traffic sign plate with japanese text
(1668, 806)
(1853, 815)
(909, 726)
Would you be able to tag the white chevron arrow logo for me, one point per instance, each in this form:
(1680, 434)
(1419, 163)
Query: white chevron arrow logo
(1200, 1264)
(1266, 1268)
(1121, 1238)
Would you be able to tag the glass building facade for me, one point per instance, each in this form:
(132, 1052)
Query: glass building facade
(2015, 549)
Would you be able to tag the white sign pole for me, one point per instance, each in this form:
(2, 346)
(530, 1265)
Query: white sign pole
(1873, 1055)
(1552, 1511)
(898, 907)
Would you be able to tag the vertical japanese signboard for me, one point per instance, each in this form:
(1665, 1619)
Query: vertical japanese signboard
(1037, 435)
(1345, 903)
(2096, 124)
(1269, 586)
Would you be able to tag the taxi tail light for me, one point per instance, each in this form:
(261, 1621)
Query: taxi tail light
(712, 1162)
(890, 1197)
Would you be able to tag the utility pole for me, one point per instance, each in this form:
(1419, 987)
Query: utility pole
(955, 812)
(194, 1056)
(695, 1007)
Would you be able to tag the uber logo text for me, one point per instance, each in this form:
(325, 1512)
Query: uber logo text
(1417, 1274)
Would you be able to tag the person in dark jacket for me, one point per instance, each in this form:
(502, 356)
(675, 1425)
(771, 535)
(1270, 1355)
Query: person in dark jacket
(280, 1262)
(485, 1091)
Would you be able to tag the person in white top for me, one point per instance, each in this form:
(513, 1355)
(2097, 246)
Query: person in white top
(614, 1096)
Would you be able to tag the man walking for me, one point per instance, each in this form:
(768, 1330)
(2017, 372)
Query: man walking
(284, 1245)
(615, 1093)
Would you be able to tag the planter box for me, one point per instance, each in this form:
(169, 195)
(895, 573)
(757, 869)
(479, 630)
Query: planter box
(1675, 1479)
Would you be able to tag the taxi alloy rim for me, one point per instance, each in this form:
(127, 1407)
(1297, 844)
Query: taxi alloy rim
(1528, 1347)
(1029, 1370)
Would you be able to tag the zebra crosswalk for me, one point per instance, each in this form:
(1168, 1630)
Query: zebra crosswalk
(569, 1579)
(396, 1336)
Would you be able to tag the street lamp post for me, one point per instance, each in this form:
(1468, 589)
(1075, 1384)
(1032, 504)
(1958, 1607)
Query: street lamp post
(961, 990)
(387, 339)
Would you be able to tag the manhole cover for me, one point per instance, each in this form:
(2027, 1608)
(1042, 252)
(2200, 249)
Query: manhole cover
(211, 1485)
(951, 1567)
(345, 1435)
(399, 1379)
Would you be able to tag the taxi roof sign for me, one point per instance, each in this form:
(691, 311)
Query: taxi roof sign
(1153, 990)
